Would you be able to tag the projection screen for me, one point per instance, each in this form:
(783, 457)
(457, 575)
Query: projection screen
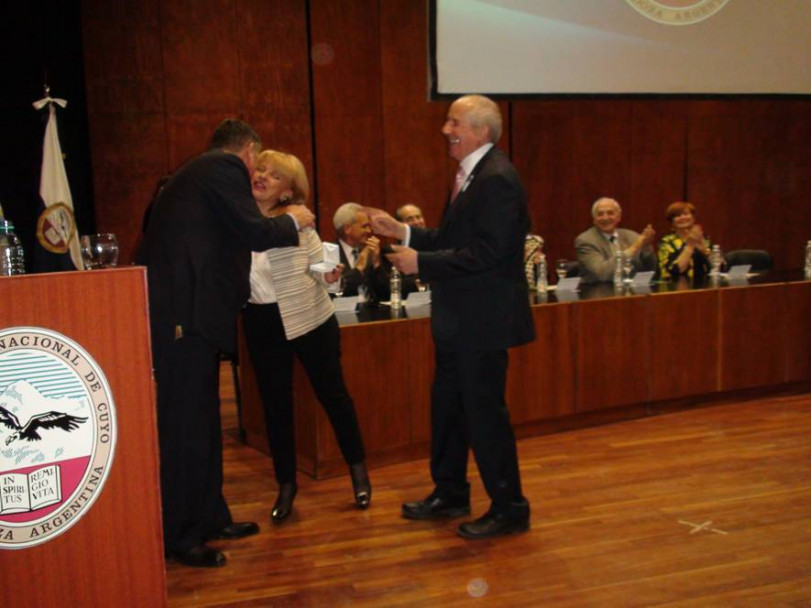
(531, 47)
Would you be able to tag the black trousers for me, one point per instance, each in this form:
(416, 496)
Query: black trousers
(319, 352)
(468, 410)
(187, 372)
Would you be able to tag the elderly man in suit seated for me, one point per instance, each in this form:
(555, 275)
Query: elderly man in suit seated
(597, 247)
(360, 255)
(360, 250)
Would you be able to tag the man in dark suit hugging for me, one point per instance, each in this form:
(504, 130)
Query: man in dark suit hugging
(197, 247)
(480, 308)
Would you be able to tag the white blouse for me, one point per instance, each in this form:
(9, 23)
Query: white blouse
(283, 276)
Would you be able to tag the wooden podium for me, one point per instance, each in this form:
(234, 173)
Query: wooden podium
(113, 555)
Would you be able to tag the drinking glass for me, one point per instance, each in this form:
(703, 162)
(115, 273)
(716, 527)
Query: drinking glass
(99, 250)
(339, 286)
(716, 260)
(561, 269)
(627, 268)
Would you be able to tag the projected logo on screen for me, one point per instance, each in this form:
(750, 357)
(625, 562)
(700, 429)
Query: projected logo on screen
(677, 12)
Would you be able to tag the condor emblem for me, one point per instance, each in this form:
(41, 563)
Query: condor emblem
(57, 435)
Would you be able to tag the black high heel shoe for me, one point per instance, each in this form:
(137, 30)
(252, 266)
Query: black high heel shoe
(361, 485)
(284, 502)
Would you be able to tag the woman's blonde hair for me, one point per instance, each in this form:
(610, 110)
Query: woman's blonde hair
(291, 168)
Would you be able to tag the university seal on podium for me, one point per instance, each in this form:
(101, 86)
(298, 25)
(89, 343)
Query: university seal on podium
(57, 434)
(677, 12)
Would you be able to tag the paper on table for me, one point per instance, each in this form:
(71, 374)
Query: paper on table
(345, 304)
(642, 278)
(740, 271)
(568, 284)
(418, 298)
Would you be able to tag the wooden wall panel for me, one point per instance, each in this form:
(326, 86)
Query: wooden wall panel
(748, 173)
(417, 167)
(614, 350)
(753, 336)
(420, 357)
(570, 153)
(540, 377)
(201, 55)
(347, 111)
(162, 73)
(798, 327)
(125, 97)
(684, 337)
(657, 167)
(274, 77)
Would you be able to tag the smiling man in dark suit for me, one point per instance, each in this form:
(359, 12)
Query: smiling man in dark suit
(197, 250)
(479, 308)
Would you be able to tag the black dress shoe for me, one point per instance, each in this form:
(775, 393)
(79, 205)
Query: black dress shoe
(436, 507)
(238, 530)
(361, 485)
(491, 524)
(284, 502)
(201, 556)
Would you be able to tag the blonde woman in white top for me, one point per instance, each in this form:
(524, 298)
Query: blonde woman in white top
(290, 314)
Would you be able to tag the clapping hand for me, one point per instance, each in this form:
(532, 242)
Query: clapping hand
(696, 236)
(370, 252)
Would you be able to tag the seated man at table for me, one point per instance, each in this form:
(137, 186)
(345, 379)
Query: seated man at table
(597, 247)
(411, 215)
(360, 255)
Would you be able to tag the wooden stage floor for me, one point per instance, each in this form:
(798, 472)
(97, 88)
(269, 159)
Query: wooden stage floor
(704, 507)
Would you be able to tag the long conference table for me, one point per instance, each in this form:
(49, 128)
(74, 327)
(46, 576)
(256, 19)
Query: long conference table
(601, 355)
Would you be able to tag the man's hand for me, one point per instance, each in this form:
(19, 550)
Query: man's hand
(404, 259)
(383, 223)
(333, 275)
(645, 239)
(303, 216)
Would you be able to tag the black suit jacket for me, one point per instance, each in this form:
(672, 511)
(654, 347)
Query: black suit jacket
(475, 262)
(202, 228)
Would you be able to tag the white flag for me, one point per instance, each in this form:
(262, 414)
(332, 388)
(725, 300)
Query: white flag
(57, 226)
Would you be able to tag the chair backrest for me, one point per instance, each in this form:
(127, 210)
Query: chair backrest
(757, 258)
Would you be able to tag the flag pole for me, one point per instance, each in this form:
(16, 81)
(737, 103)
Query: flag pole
(56, 227)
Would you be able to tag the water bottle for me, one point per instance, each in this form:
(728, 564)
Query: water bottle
(394, 288)
(12, 259)
(808, 260)
(617, 268)
(542, 281)
(716, 259)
